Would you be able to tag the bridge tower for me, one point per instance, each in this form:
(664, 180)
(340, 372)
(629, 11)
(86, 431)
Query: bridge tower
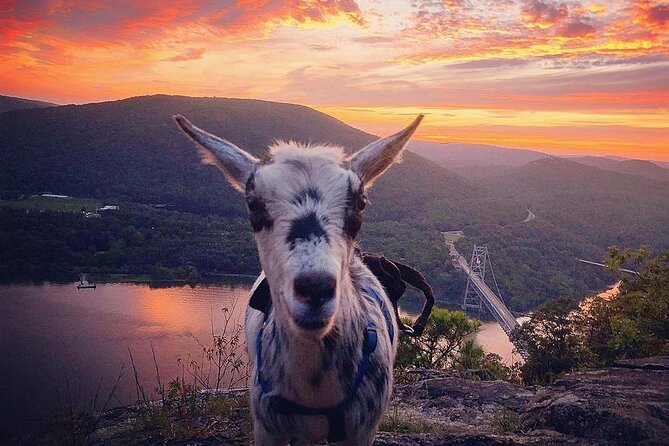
(472, 299)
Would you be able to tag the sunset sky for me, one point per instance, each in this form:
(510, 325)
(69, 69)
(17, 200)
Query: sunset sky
(566, 77)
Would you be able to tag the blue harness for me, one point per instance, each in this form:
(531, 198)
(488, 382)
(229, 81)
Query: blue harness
(334, 414)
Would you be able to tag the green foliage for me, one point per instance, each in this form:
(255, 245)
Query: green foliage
(478, 364)
(562, 336)
(226, 365)
(635, 322)
(444, 335)
(470, 356)
(167, 245)
(71, 204)
(549, 341)
(505, 420)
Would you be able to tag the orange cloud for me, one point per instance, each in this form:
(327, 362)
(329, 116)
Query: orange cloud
(593, 67)
(654, 14)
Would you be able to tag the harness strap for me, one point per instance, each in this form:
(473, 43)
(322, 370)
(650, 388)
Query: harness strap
(386, 314)
(334, 414)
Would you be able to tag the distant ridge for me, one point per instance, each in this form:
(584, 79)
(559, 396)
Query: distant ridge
(9, 103)
(642, 168)
(464, 157)
(613, 208)
(456, 155)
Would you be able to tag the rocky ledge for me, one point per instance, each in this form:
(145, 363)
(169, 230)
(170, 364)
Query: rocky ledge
(627, 403)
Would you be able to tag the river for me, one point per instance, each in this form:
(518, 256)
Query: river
(55, 337)
(52, 336)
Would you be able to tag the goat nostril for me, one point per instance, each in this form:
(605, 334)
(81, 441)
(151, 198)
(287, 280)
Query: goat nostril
(315, 289)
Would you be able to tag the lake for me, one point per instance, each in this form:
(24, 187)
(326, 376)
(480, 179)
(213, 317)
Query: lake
(55, 337)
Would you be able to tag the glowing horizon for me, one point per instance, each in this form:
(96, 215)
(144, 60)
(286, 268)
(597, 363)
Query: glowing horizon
(563, 77)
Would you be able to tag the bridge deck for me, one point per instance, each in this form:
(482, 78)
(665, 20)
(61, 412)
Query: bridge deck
(494, 303)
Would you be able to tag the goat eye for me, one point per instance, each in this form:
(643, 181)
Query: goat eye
(360, 202)
(253, 204)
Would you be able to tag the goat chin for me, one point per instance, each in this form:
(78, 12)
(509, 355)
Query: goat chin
(312, 322)
(312, 327)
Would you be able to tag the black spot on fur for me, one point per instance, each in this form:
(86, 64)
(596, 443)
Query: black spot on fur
(380, 380)
(258, 214)
(305, 228)
(348, 368)
(309, 192)
(353, 214)
(316, 379)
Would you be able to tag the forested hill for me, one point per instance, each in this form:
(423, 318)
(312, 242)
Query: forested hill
(642, 168)
(606, 207)
(8, 103)
(130, 151)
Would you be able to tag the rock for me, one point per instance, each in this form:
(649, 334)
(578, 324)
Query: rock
(650, 363)
(627, 404)
(536, 438)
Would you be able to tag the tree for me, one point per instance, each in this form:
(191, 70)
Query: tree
(486, 366)
(444, 335)
(563, 336)
(635, 322)
(549, 342)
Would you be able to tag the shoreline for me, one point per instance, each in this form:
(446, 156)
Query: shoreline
(208, 279)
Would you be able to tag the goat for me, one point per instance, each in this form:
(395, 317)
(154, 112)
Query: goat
(322, 354)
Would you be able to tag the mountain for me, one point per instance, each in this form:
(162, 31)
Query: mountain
(8, 103)
(647, 169)
(608, 208)
(461, 155)
(130, 152)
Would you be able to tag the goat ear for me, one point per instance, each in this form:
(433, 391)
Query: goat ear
(371, 161)
(235, 163)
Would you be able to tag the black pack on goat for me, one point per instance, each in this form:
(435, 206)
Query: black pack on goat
(394, 276)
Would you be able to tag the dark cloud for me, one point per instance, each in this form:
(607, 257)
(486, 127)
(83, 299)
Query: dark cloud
(375, 39)
(659, 14)
(490, 63)
(576, 28)
(590, 61)
(622, 80)
(544, 14)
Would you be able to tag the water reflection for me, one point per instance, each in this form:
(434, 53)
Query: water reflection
(55, 335)
(492, 338)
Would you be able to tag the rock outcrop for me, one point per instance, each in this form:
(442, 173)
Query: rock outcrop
(627, 403)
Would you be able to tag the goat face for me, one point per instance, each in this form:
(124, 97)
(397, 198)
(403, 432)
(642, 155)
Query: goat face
(299, 203)
(305, 206)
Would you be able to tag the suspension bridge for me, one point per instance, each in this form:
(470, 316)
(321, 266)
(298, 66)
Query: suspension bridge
(477, 292)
